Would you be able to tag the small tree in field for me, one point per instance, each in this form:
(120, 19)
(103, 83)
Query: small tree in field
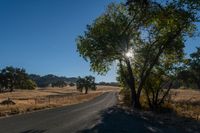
(86, 83)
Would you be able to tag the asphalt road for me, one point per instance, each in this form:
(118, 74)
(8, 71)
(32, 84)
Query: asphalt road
(68, 119)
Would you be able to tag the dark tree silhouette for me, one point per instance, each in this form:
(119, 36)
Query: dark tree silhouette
(15, 78)
(86, 83)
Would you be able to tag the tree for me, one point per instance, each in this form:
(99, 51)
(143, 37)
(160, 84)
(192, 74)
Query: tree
(86, 83)
(157, 87)
(189, 75)
(59, 83)
(71, 84)
(15, 78)
(185, 77)
(194, 67)
(139, 37)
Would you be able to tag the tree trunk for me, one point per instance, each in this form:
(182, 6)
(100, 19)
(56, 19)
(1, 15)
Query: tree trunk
(198, 85)
(133, 93)
(135, 100)
(137, 103)
(86, 90)
(130, 81)
(197, 81)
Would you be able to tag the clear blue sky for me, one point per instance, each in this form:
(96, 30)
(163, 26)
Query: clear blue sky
(39, 35)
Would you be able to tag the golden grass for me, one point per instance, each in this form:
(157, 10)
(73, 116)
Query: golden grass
(38, 92)
(108, 88)
(181, 111)
(186, 103)
(30, 100)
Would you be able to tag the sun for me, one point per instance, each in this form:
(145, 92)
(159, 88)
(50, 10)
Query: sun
(130, 53)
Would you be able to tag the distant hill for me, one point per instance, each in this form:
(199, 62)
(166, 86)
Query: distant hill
(108, 83)
(48, 80)
(52, 80)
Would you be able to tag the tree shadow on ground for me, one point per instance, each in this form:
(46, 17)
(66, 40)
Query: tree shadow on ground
(118, 120)
(33, 131)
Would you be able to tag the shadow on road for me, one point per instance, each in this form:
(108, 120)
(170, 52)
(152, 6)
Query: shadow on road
(34, 131)
(117, 120)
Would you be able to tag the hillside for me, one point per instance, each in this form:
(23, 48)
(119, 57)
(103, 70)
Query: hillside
(44, 81)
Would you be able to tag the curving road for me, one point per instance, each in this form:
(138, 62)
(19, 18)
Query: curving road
(68, 119)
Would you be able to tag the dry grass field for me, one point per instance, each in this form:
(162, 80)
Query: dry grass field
(186, 102)
(29, 100)
(182, 111)
(186, 110)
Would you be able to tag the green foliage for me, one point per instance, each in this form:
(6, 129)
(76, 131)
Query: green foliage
(15, 78)
(189, 75)
(194, 67)
(103, 43)
(60, 84)
(71, 84)
(86, 83)
(126, 96)
(157, 88)
(141, 37)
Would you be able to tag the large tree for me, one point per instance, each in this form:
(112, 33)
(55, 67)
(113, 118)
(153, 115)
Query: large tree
(139, 37)
(15, 78)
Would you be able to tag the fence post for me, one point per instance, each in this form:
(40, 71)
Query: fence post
(49, 100)
(35, 101)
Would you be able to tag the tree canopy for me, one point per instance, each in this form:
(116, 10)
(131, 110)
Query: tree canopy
(88, 82)
(194, 66)
(189, 74)
(15, 78)
(140, 37)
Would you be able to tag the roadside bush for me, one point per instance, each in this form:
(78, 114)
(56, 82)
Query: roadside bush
(125, 93)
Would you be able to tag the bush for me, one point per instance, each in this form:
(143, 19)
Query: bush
(126, 97)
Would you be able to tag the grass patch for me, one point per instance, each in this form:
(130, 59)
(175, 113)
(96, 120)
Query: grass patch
(32, 100)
